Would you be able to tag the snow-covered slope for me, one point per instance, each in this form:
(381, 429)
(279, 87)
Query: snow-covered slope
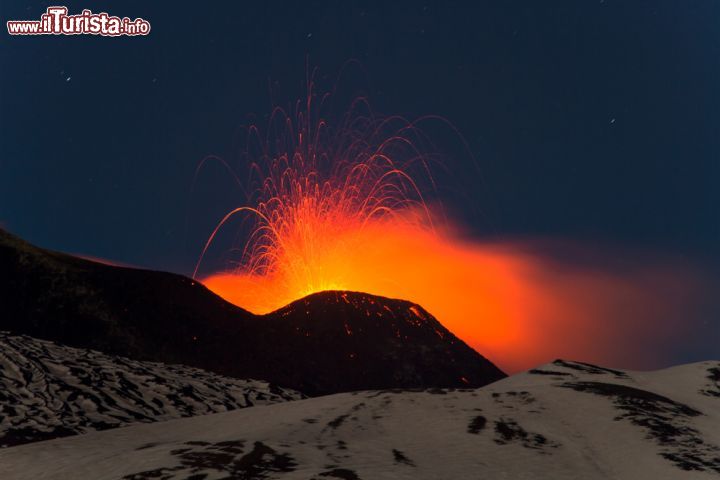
(564, 420)
(48, 391)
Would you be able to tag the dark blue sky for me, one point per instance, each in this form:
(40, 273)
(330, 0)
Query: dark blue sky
(588, 119)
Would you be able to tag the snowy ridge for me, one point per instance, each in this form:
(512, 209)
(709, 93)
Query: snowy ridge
(564, 420)
(48, 390)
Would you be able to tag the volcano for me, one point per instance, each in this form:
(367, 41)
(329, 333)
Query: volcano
(328, 342)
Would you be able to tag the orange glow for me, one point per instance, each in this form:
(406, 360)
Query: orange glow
(478, 294)
(340, 210)
(517, 309)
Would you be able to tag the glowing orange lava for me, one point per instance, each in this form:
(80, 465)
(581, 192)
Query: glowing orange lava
(339, 209)
(324, 203)
(479, 295)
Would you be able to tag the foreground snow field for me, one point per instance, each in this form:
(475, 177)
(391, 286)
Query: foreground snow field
(564, 420)
(48, 390)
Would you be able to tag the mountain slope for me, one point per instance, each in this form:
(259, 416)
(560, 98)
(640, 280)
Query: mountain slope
(565, 420)
(334, 341)
(354, 341)
(48, 390)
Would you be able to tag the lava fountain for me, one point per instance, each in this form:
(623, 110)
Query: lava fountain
(346, 206)
(322, 199)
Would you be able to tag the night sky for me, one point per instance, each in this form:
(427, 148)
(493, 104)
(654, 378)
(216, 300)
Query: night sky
(587, 121)
(596, 119)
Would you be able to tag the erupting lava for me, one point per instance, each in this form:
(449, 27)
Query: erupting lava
(323, 201)
(342, 207)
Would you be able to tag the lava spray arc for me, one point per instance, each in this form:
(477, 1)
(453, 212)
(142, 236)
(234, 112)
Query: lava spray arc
(320, 196)
(352, 204)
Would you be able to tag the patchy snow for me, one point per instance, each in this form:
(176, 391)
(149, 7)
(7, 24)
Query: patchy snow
(48, 390)
(564, 420)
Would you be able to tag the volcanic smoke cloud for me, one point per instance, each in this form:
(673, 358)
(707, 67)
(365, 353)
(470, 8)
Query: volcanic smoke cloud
(345, 208)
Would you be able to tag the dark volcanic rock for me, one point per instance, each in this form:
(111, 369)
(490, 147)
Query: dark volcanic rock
(325, 343)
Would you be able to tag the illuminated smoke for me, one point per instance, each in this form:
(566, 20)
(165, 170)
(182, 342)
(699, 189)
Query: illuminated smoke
(342, 207)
